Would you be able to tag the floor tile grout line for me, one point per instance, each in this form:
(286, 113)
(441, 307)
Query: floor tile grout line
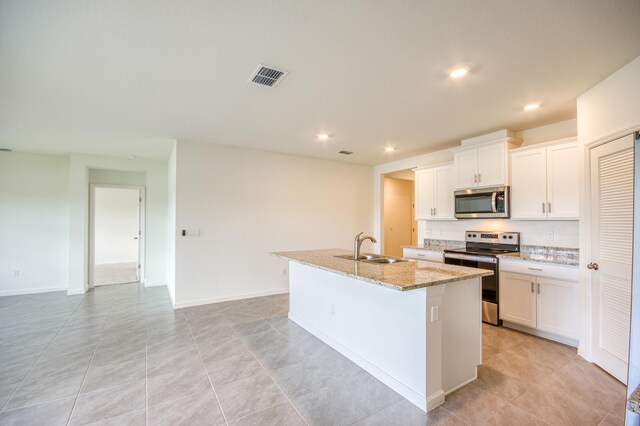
(273, 380)
(90, 361)
(39, 356)
(215, 394)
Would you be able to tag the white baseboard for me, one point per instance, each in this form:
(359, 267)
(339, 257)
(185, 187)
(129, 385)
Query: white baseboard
(154, 284)
(76, 292)
(31, 291)
(239, 296)
(411, 395)
(550, 336)
(435, 400)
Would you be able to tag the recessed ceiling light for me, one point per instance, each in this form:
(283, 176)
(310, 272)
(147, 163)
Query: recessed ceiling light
(531, 107)
(459, 72)
(132, 156)
(389, 149)
(323, 137)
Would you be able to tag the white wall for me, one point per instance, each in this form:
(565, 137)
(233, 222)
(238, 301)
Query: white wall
(156, 216)
(171, 224)
(34, 223)
(533, 232)
(116, 224)
(247, 204)
(609, 110)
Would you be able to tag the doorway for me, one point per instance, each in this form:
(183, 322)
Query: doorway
(117, 225)
(399, 222)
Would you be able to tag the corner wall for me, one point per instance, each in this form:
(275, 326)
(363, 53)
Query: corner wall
(248, 203)
(34, 223)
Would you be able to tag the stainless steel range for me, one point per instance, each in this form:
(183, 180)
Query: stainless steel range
(481, 251)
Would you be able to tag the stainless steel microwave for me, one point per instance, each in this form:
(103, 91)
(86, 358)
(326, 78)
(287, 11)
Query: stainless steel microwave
(482, 203)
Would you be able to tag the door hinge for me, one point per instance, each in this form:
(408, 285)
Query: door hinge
(138, 266)
(140, 199)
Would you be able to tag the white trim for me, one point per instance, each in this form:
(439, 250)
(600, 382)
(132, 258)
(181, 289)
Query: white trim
(142, 214)
(401, 388)
(239, 296)
(549, 336)
(31, 291)
(75, 292)
(473, 379)
(154, 284)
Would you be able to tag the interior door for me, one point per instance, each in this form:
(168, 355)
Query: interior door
(611, 237)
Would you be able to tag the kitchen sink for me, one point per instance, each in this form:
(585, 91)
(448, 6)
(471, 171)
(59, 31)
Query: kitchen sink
(385, 260)
(373, 258)
(362, 256)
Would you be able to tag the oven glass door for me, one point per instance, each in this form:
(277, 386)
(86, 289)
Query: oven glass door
(489, 284)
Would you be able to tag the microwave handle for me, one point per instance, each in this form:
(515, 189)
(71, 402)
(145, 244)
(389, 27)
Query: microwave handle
(494, 208)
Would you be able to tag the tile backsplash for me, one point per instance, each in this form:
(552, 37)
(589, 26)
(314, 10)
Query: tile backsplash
(535, 233)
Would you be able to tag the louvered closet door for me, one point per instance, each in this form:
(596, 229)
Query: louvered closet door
(612, 244)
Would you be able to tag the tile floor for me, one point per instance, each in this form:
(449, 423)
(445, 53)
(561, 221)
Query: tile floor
(116, 273)
(120, 355)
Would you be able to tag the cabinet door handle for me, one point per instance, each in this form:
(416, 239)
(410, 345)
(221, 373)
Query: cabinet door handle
(543, 208)
(538, 288)
(534, 269)
(421, 255)
(549, 207)
(531, 286)
(475, 178)
(435, 211)
(479, 178)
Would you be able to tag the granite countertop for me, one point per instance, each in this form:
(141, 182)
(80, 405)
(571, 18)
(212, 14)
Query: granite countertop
(403, 276)
(555, 255)
(633, 403)
(437, 245)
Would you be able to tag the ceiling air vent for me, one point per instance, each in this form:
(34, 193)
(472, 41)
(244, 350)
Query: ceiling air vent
(345, 152)
(267, 76)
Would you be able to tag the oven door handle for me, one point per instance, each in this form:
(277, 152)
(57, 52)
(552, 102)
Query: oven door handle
(474, 258)
(494, 208)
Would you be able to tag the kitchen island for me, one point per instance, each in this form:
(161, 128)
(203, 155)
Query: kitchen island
(415, 325)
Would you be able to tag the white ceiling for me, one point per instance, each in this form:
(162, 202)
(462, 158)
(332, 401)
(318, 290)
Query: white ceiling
(125, 77)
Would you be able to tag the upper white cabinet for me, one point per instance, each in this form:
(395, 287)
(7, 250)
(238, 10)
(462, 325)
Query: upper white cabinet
(545, 182)
(482, 161)
(434, 193)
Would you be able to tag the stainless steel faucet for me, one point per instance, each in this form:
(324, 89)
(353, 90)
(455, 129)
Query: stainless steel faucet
(358, 242)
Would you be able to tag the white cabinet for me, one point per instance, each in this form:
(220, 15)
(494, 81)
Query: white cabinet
(434, 193)
(545, 182)
(423, 254)
(517, 300)
(483, 165)
(545, 299)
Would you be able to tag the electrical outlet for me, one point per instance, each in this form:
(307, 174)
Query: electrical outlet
(16, 273)
(283, 271)
(434, 313)
(550, 236)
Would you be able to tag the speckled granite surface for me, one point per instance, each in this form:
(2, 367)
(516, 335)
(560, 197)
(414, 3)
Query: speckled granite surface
(437, 245)
(403, 276)
(633, 403)
(555, 255)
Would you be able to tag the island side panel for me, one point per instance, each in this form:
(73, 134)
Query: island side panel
(462, 333)
(380, 329)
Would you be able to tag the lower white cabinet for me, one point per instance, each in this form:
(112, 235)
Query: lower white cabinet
(423, 254)
(544, 300)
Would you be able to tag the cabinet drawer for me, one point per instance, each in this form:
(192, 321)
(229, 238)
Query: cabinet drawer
(560, 272)
(423, 254)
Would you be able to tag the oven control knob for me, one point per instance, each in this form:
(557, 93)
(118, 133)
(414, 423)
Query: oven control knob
(468, 235)
(511, 237)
